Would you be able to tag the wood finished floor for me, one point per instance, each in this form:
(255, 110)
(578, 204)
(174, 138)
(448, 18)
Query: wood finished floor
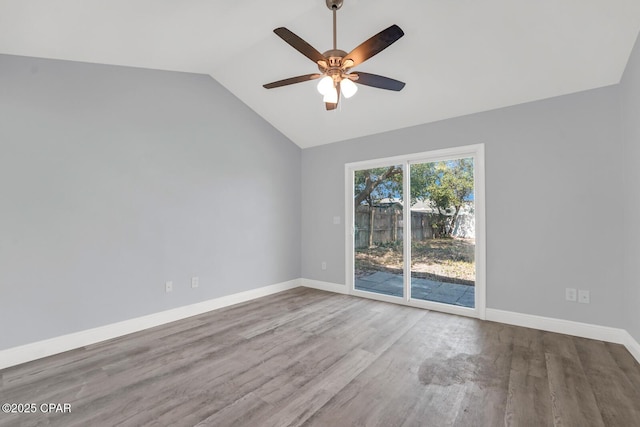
(306, 357)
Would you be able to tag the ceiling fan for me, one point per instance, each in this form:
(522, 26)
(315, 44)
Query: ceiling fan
(335, 64)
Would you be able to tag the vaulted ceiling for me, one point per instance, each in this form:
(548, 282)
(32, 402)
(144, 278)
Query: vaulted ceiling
(457, 56)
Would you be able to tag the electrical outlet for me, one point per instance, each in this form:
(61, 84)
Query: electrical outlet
(584, 297)
(570, 294)
(323, 265)
(168, 287)
(336, 220)
(195, 282)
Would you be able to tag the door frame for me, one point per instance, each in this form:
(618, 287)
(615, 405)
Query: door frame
(476, 152)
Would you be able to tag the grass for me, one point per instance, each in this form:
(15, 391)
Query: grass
(445, 259)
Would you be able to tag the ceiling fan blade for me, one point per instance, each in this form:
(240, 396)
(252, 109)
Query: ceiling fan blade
(292, 80)
(374, 45)
(298, 44)
(380, 82)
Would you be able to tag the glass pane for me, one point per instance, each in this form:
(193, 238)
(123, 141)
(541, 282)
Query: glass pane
(443, 232)
(378, 237)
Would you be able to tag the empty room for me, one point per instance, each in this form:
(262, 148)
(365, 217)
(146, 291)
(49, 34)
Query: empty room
(320, 213)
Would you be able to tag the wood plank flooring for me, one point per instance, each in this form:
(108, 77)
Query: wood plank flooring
(307, 357)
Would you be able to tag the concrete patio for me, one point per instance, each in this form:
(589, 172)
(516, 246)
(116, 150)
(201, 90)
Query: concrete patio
(424, 289)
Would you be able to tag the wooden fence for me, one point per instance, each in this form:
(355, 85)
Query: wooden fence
(388, 225)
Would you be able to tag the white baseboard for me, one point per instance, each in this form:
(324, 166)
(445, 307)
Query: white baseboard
(584, 330)
(324, 286)
(26, 353)
(633, 346)
(568, 327)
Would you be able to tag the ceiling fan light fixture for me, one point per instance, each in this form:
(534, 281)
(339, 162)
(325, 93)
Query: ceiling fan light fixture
(331, 97)
(348, 88)
(325, 85)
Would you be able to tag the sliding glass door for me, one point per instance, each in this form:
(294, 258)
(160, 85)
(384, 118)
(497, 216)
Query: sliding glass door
(416, 230)
(378, 230)
(443, 232)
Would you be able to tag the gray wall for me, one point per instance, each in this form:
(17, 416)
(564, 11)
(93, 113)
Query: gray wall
(114, 180)
(552, 173)
(630, 95)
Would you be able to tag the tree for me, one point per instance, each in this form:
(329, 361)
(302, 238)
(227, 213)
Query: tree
(372, 185)
(448, 185)
(423, 175)
(458, 179)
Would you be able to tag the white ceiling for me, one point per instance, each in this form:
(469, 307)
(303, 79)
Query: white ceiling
(457, 56)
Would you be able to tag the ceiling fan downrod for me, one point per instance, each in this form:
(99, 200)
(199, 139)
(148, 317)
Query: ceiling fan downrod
(334, 5)
(333, 56)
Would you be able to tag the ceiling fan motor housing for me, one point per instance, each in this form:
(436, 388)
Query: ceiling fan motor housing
(334, 57)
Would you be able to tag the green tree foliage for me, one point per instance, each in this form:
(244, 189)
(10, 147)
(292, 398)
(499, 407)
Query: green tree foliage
(373, 185)
(423, 176)
(448, 185)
